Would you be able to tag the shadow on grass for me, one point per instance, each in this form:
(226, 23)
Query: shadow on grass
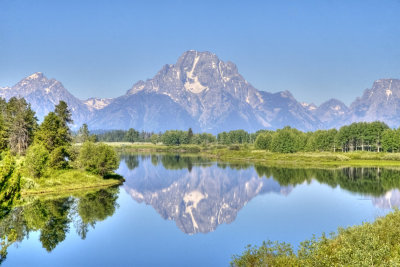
(114, 176)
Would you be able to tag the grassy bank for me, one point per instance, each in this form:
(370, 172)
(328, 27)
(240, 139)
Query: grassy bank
(249, 154)
(370, 244)
(66, 181)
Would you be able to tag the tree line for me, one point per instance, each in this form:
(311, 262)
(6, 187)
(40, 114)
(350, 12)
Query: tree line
(361, 136)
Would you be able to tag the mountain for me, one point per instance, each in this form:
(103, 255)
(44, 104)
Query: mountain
(144, 111)
(332, 114)
(207, 94)
(218, 98)
(97, 103)
(43, 94)
(381, 102)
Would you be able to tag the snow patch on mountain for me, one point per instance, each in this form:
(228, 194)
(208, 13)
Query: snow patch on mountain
(97, 103)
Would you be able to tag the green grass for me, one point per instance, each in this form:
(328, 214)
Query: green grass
(59, 182)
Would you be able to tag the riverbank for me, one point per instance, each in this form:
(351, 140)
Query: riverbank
(369, 244)
(65, 182)
(246, 153)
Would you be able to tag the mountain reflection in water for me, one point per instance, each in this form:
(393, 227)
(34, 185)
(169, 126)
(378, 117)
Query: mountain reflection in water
(199, 195)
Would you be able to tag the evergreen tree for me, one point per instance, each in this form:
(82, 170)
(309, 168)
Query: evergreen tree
(83, 134)
(20, 123)
(53, 133)
(62, 110)
(190, 134)
(131, 136)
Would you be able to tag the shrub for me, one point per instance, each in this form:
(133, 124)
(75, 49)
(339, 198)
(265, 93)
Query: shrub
(263, 141)
(36, 160)
(73, 154)
(59, 158)
(370, 244)
(98, 158)
(9, 183)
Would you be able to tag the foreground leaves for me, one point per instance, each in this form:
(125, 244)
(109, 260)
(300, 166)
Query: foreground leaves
(370, 244)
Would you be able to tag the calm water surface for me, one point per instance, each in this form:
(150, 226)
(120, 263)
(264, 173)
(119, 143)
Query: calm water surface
(180, 211)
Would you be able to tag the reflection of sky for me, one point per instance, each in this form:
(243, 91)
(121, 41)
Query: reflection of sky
(136, 235)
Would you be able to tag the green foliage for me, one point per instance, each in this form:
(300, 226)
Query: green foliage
(36, 160)
(155, 138)
(288, 140)
(170, 138)
(321, 140)
(131, 136)
(202, 139)
(53, 133)
(59, 158)
(84, 135)
(233, 137)
(264, 141)
(19, 124)
(3, 133)
(361, 136)
(63, 112)
(371, 244)
(9, 183)
(73, 154)
(373, 136)
(98, 158)
(391, 140)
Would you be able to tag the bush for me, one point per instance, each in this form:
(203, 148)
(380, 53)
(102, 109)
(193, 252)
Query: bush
(263, 141)
(9, 183)
(73, 153)
(36, 160)
(59, 158)
(370, 244)
(98, 158)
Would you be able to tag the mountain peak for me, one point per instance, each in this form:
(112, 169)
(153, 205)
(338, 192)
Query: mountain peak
(35, 76)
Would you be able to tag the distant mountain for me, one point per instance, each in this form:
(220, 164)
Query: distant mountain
(332, 113)
(97, 103)
(207, 94)
(381, 102)
(43, 94)
(218, 98)
(144, 111)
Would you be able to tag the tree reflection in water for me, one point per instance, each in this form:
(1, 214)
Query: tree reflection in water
(53, 218)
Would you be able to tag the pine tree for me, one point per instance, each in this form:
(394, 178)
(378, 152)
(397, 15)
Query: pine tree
(83, 134)
(20, 123)
(62, 110)
(52, 133)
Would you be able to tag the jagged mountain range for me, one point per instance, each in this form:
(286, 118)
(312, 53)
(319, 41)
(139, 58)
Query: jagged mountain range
(205, 93)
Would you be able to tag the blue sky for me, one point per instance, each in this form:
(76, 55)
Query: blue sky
(315, 49)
